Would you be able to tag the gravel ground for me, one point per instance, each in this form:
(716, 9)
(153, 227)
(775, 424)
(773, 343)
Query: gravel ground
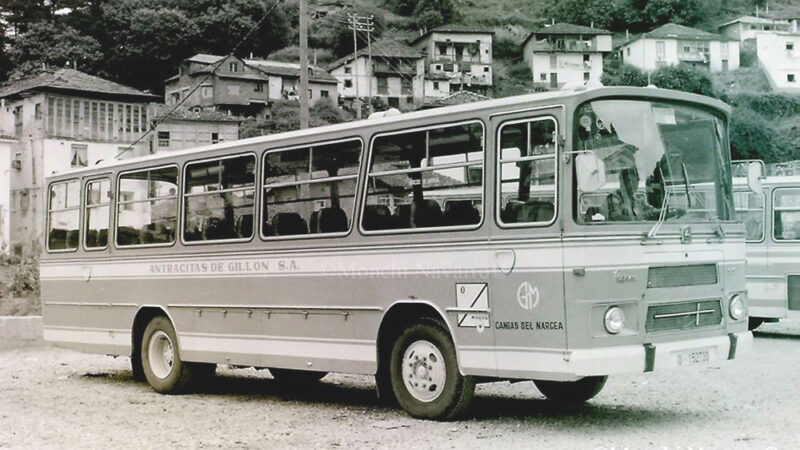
(57, 398)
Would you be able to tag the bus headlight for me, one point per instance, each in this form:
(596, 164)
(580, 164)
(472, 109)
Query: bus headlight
(614, 319)
(736, 307)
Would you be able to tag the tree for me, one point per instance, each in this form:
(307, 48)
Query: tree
(753, 137)
(434, 13)
(333, 31)
(625, 75)
(284, 116)
(683, 77)
(53, 45)
(601, 13)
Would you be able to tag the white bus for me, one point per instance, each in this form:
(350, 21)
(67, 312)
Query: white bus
(772, 224)
(334, 250)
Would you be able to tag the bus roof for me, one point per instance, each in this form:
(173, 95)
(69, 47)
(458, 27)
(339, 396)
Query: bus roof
(554, 98)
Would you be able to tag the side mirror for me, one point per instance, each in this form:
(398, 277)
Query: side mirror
(590, 171)
(755, 173)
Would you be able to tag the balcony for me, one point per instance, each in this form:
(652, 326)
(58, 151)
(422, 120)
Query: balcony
(694, 57)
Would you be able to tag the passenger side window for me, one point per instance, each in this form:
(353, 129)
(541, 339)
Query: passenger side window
(527, 170)
(219, 199)
(63, 216)
(787, 214)
(310, 190)
(412, 174)
(750, 210)
(147, 203)
(98, 198)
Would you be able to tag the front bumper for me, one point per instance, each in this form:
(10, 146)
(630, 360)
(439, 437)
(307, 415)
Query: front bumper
(665, 355)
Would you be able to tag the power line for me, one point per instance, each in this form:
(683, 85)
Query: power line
(214, 67)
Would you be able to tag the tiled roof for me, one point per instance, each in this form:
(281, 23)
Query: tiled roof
(458, 98)
(203, 58)
(565, 28)
(380, 50)
(451, 29)
(193, 115)
(751, 19)
(290, 70)
(673, 30)
(72, 81)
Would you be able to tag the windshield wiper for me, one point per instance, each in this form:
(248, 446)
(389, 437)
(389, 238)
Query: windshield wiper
(650, 237)
(686, 185)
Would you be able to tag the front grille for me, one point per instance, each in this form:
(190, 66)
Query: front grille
(674, 276)
(683, 316)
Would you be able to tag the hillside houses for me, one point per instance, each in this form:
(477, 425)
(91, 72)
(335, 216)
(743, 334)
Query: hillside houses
(242, 86)
(566, 54)
(462, 54)
(673, 44)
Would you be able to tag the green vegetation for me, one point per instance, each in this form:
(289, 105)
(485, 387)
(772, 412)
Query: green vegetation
(19, 286)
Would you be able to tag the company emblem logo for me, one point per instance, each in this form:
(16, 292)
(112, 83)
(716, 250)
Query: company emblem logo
(527, 296)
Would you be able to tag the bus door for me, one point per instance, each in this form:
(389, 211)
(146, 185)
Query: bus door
(527, 287)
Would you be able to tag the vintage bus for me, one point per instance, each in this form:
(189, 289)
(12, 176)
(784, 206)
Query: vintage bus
(772, 225)
(433, 250)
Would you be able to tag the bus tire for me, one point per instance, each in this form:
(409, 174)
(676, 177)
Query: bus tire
(163, 368)
(136, 367)
(424, 373)
(754, 322)
(299, 377)
(571, 392)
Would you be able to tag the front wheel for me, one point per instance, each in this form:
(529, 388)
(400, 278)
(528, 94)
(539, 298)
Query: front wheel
(754, 322)
(424, 373)
(571, 392)
(161, 360)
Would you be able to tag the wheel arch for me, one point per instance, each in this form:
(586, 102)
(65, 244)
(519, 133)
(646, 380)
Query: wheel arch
(144, 314)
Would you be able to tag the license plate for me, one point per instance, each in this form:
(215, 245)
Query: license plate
(693, 357)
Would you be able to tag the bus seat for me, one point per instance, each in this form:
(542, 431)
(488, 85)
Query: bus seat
(461, 212)
(402, 216)
(246, 226)
(377, 217)
(332, 220)
(102, 238)
(536, 211)
(72, 238)
(428, 213)
(590, 213)
(287, 224)
(313, 222)
(217, 228)
(510, 213)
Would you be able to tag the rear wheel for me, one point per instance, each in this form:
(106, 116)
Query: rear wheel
(424, 373)
(297, 376)
(571, 392)
(161, 360)
(136, 366)
(754, 322)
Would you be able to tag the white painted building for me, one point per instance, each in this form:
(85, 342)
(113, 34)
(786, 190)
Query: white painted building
(59, 120)
(779, 59)
(396, 76)
(673, 44)
(564, 54)
(746, 27)
(7, 146)
(463, 54)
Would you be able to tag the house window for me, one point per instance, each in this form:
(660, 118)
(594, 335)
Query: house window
(628, 51)
(790, 78)
(436, 85)
(543, 77)
(163, 138)
(586, 58)
(442, 49)
(37, 111)
(406, 87)
(214, 138)
(394, 102)
(18, 120)
(486, 69)
(234, 67)
(206, 92)
(686, 49)
(437, 67)
(348, 83)
(348, 70)
(553, 61)
(660, 49)
(790, 45)
(323, 93)
(259, 87)
(79, 156)
(175, 97)
(585, 76)
(310, 94)
(410, 100)
(383, 85)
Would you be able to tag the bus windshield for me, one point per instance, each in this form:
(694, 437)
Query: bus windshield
(662, 161)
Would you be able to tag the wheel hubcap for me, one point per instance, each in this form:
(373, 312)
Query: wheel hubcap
(424, 371)
(161, 354)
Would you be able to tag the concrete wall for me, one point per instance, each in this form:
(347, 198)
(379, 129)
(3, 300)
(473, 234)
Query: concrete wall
(643, 53)
(360, 74)
(6, 153)
(570, 68)
(21, 328)
(777, 62)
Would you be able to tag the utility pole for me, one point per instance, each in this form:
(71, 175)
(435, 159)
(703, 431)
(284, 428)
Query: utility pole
(354, 27)
(304, 119)
(360, 23)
